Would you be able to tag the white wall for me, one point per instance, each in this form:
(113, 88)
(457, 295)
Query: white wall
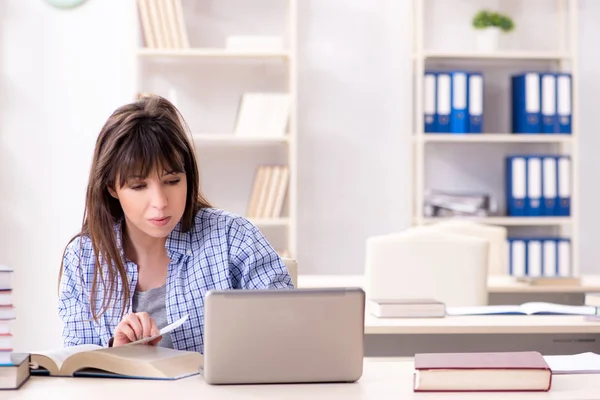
(63, 72)
(354, 129)
(589, 145)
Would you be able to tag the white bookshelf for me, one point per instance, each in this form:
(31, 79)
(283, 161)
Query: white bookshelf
(510, 221)
(562, 58)
(228, 161)
(494, 138)
(233, 140)
(270, 222)
(500, 55)
(215, 53)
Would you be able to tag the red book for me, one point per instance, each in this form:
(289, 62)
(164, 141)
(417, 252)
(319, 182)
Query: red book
(481, 372)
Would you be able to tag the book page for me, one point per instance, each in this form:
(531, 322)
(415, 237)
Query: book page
(484, 310)
(583, 363)
(551, 308)
(61, 354)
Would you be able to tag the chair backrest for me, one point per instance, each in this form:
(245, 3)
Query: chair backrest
(497, 258)
(292, 267)
(424, 263)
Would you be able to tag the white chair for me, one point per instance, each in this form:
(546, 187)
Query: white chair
(292, 267)
(497, 258)
(425, 263)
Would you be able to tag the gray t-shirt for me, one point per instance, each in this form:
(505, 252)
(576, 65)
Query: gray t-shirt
(153, 302)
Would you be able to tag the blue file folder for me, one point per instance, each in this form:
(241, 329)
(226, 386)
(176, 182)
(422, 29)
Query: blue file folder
(525, 95)
(549, 185)
(564, 185)
(516, 185)
(459, 122)
(517, 257)
(429, 101)
(443, 102)
(533, 205)
(475, 102)
(548, 103)
(564, 98)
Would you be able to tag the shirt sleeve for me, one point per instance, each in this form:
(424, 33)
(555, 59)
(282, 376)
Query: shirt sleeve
(73, 305)
(254, 264)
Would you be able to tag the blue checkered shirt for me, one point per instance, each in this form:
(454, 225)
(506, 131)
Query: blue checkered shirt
(221, 251)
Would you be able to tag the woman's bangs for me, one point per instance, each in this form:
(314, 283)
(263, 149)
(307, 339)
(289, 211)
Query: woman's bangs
(146, 151)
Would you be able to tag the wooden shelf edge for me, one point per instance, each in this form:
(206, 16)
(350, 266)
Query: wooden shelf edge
(499, 55)
(506, 221)
(493, 138)
(211, 52)
(227, 138)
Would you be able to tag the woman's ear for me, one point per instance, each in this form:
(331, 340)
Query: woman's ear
(113, 193)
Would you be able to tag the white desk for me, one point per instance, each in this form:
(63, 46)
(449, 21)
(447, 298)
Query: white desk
(501, 289)
(481, 324)
(393, 337)
(496, 284)
(381, 380)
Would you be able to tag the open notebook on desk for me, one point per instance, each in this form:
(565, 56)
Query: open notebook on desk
(531, 308)
(583, 363)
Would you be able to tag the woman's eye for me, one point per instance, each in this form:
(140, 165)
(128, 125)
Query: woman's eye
(173, 181)
(136, 187)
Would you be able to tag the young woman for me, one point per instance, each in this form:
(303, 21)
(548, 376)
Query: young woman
(151, 246)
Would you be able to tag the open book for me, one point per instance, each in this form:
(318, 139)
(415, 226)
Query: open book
(531, 308)
(137, 361)
(582, 363)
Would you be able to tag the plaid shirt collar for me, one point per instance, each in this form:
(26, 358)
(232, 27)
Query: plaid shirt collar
(178, 243)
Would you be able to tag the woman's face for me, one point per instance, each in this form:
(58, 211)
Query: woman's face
(155, 204)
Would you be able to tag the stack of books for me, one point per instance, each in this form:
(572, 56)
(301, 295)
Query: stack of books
(269, 191)
(14, 367)
(522, 371)
(163, 25)
(406, 308)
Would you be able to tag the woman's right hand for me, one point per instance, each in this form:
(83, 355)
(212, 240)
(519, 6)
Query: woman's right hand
(136, 326)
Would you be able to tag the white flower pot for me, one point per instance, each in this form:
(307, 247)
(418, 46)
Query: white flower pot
(487, 39)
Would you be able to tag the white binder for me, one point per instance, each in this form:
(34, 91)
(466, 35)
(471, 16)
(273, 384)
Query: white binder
(549, 258)
(549, 186)
(534, 185)
(518, 261)
(534, 258)
(443, 103)
(564, 258)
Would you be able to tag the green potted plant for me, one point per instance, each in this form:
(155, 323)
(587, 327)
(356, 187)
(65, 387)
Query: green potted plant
(489, 25)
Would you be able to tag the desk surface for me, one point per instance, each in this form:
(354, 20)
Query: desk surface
(381, 379)
(496, 284)
(482, 324)
(496, 324)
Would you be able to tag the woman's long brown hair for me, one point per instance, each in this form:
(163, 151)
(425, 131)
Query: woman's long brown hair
(137, 138)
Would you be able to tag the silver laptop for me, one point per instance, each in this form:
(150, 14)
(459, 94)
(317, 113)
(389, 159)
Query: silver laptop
(283, 336)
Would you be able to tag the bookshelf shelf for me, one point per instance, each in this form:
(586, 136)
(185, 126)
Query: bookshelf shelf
(211, 53)
(270, 222)
(493, 138)
(460, 168)
(509, 221)
(500, 55)
(172, 36)
(230, 139)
